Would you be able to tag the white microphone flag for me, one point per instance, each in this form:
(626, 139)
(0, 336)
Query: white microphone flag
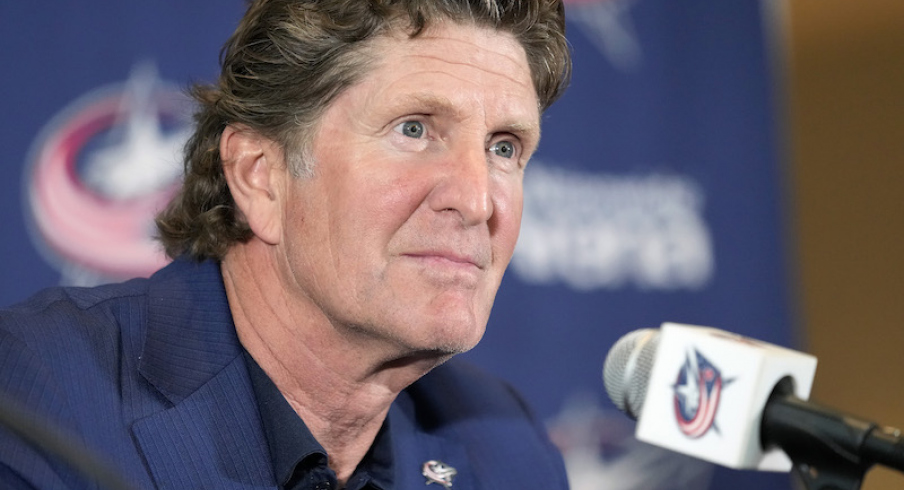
(707, 391)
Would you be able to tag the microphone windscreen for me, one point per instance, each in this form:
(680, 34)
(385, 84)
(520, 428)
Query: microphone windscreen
(626, 372)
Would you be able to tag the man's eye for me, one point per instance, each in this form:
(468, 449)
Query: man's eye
(505, 149)
(411, 129)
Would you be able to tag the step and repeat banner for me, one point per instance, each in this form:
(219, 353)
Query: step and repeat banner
(656, 195)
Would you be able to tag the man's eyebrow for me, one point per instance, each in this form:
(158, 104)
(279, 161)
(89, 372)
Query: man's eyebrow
(430, 103)
(529, 131)
(522, 127)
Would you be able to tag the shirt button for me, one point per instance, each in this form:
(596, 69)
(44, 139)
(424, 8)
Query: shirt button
(324, 485)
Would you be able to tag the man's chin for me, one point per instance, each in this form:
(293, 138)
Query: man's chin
(447, 340)
(458, 345)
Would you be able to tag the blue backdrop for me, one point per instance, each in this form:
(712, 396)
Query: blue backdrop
(656, 195)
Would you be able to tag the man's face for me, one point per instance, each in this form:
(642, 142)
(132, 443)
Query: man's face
(410, 219)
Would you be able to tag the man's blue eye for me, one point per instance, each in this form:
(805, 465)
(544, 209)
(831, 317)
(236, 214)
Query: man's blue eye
(505, 149)
(412, 129)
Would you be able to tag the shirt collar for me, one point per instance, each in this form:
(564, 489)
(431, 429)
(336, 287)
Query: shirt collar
(290, 441)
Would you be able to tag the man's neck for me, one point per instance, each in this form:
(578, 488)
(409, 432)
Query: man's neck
(338, 381)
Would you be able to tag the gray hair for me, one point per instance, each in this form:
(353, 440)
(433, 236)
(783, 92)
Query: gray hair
(289, 59)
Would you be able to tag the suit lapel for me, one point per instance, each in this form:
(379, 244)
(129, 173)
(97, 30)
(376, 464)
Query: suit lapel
(211, 437)
(412, 447)
(206, 441)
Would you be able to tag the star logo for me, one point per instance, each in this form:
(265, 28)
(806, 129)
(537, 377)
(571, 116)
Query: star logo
(697, 392)
(438, 472)
(99, 173)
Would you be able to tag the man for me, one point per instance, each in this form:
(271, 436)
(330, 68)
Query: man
(352, 198)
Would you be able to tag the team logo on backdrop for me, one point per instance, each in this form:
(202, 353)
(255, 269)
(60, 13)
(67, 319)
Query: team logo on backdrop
(608, 24)
(100, 171)
(598, 231)
(601, 453)
(698, 390)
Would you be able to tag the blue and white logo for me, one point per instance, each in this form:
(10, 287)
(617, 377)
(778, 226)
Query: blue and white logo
(698, 391)
(99, 172)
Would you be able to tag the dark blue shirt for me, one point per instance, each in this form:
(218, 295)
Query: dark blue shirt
(299, 461)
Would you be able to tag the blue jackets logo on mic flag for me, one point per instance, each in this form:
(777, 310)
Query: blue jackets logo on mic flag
(698, 390)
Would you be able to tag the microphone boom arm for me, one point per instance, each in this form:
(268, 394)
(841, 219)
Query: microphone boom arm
(830, 450)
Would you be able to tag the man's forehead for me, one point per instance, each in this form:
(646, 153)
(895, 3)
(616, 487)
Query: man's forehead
(434, 68)
(464, 43)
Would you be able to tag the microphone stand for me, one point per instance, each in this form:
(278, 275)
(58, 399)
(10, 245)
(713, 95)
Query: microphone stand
(830, 450)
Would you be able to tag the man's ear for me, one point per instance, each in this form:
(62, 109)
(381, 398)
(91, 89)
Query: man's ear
(253, 167)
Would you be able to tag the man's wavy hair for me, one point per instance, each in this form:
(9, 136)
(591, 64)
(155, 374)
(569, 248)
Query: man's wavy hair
(288, 60)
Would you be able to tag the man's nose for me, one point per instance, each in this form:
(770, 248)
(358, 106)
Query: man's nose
(464, 186)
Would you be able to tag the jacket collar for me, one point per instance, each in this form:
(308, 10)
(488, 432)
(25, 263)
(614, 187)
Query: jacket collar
(210, 436)
(190, 334)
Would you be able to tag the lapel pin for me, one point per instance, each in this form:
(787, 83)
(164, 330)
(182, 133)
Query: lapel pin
(438, 472)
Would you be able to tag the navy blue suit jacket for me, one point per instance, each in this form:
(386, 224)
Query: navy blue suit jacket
(149, 375)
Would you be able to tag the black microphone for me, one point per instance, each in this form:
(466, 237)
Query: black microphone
(54, 442)
(683, 366)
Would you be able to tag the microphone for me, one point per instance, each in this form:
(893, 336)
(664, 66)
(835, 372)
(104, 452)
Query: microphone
(740, 403)
(43, 436)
